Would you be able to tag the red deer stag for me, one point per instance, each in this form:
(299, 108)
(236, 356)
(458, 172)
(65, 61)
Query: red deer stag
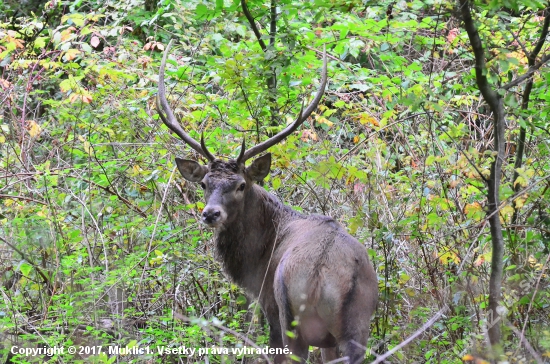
(303, 268)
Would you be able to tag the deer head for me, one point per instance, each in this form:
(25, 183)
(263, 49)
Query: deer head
(226, 183)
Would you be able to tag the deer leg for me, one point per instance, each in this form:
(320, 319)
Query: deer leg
(354, 351)
(329, 354)
(298, 348)
(276, 341)
(286, 317)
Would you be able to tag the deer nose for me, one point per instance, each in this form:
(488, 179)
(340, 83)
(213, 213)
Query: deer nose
(211, 215)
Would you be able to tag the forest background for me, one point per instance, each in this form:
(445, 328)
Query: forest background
(431, 146)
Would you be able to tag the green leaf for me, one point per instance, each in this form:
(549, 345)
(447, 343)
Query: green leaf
(241, 299)
(276, 183)
(25, 268)
(202, 10)
(430, 160)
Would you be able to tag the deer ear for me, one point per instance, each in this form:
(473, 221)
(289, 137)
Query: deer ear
(191, 170)
(259, 168)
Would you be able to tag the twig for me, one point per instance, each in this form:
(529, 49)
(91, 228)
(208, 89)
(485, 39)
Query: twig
(525, 343)
(527, 74)
(23, 198)
(30, 261)
(522, 334)
(408, 340)
(183, 318)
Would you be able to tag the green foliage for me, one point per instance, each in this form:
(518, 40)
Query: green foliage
(100, 242)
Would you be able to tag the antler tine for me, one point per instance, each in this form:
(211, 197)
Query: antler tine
(304, 114)
(169, 119)
(205, 150)
(241, 154)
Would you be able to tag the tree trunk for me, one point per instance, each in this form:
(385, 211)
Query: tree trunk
(495, 102)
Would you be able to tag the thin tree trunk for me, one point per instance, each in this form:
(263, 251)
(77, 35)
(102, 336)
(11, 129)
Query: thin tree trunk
(520, 147)
(495, 102)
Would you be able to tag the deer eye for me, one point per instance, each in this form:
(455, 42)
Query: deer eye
(241, 187)
(203, 186)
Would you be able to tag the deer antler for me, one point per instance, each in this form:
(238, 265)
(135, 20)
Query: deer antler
(169, 119)
(171, 122)
(302, 116)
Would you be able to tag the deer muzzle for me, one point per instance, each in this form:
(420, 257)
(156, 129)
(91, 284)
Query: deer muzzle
(213, 216)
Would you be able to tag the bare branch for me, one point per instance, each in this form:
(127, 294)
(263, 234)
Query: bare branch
(525, 343)
(531, 57)
(527, 74)
(29, 260)
(542, 39)
(253, 25)
(408, 340)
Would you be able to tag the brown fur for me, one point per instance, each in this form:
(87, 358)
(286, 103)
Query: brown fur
(315, 272)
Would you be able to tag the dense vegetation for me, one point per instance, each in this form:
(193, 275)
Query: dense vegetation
(431, 145)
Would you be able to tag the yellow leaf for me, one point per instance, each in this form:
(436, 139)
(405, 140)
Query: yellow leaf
(308, 134)
(520, 201)
(473, 210)
(71, 54)
(519, 56)
(365, 118)
(410, 292)
(506, 213)
(67, 33)
(322, 120)
(87, 147)
(355, 139)
(521, 181)
(482, 259)
(12, 42)
(49, 65)
(34, 128)
(449, 256)
(8, 202)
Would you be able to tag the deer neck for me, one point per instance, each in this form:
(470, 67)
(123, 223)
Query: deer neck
(245, 247)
